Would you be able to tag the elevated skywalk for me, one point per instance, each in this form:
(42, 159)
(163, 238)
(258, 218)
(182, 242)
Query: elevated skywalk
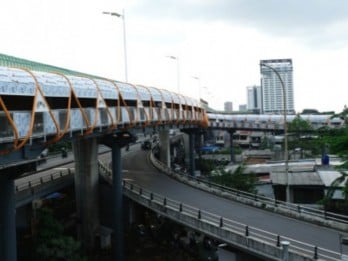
(42, 104)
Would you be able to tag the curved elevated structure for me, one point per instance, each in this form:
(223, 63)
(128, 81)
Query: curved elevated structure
(44, 103)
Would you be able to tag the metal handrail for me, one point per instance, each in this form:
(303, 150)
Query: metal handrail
(260, 235)
(264, 201)
(224, 223)
(37, 181)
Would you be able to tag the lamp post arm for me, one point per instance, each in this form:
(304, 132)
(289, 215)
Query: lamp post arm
(125, 47)
(286, 156)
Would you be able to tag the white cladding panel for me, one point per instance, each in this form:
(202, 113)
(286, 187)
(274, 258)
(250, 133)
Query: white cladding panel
(16, 82)
(53, 85)
(167, 97)
(144, 93)
(156, 94)
(83, 87)
(107, 89)
(128, 91)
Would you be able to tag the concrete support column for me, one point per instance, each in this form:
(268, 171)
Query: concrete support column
(8, 245)
(232, 157)
(164, 147)
(87, 189)
(117, 204)
(192, 153)
(116, 141)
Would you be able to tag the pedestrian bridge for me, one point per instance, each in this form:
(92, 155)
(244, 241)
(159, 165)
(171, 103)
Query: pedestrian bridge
(41, 104)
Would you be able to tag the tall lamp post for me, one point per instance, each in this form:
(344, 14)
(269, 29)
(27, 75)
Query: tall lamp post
(286, 160)
(199, 86)
(124, 40)
(177, 70)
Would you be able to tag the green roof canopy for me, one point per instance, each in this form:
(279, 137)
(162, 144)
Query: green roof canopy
(11, 61)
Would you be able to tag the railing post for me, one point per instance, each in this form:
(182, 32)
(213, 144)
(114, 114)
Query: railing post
(180, 207)
(151, 196)
(164, 201)
(199, 214)
(247, 231)
(299, 208)
(131, 186)
(278, 241)
(140, 191)
(221, 222)
(315, 256)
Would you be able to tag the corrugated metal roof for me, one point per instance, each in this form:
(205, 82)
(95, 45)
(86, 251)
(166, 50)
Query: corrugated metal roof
(297, 178)
(328, 176)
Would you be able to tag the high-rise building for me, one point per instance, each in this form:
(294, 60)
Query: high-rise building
(243, 108)
(228, 106)
(254, 98)
(272, 89)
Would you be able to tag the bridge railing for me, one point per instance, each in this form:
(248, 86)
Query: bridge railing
(38, 181)
(290, 209)
(227, 230)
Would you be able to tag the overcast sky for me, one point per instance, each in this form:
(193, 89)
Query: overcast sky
(219, 43)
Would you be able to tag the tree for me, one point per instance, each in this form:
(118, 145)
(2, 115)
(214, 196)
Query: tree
(51, 243)
(237, 180)
(299, 126)
(303, 136)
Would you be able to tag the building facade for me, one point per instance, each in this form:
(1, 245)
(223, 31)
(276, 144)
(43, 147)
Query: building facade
(272, 89)
(254, 99)
(228, 106)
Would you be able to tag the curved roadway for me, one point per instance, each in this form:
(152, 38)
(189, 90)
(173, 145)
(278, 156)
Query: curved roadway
(136, 166)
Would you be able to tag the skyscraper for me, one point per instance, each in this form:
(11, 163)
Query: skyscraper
(228, 106)
(254, 98)
(272, 89)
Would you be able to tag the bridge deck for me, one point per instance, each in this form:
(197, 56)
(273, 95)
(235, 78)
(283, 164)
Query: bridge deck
(150, 178)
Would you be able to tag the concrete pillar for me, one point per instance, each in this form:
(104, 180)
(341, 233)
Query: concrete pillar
(164, 147)
(285, 246)
(192, 154)
(232, 157)
(8, 245)
(186, 141)
(117, 204)
(131, 212)
(87, 189)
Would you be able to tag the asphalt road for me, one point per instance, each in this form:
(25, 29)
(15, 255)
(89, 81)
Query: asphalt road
(137, 167)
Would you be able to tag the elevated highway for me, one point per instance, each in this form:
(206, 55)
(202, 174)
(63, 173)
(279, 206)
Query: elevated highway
(147, 177)
(41, 105)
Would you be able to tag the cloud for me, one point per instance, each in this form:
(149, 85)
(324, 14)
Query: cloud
(320, 23)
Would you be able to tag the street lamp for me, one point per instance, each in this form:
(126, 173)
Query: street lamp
(177, 70)
(199, 86)
(124, 39)
(286, 160)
